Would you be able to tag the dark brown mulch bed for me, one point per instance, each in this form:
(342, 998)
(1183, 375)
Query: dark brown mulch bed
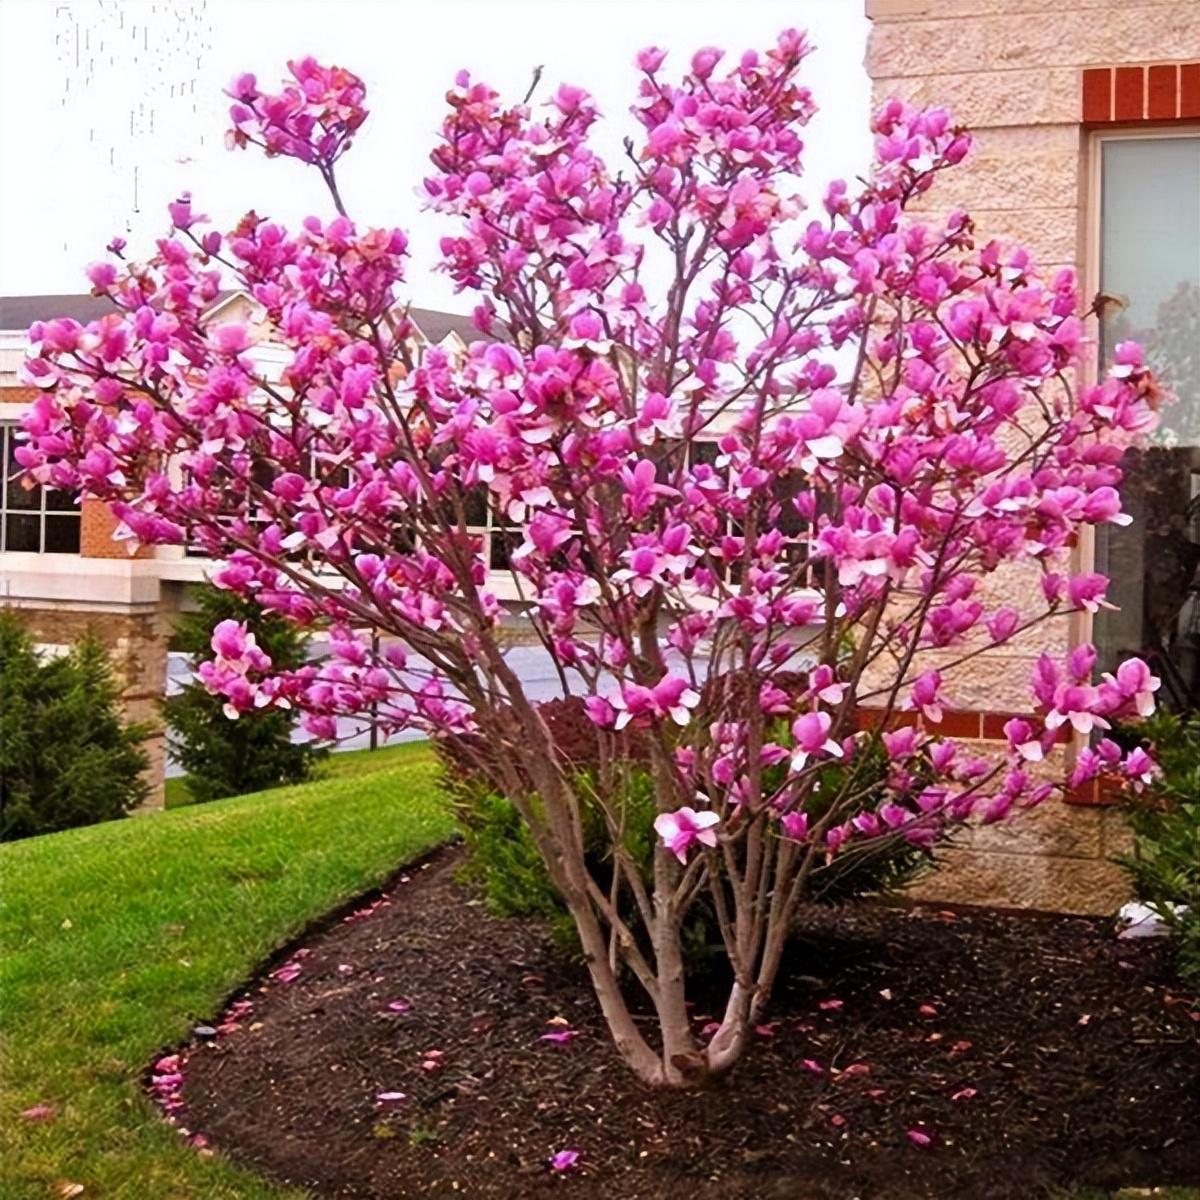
(1037, 1054)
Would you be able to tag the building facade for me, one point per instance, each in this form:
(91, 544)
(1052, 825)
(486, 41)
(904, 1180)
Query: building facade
(59, 563)
(1087, 120)
(1086, 115)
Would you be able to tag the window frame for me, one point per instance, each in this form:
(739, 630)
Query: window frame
(1082, 627)
(42, 511)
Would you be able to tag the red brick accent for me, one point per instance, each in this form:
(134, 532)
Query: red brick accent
(1159, 92)
(97, 525)
(18, 395)
(1129, 94)
(1189, 90)
(1097, 95)
(1103, 792)
(1162, 86)
(960, 724)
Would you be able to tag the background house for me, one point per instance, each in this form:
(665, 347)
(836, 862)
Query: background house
(59, 563)
(1087, 122)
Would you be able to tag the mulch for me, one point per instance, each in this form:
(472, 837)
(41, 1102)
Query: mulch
(910, 1053)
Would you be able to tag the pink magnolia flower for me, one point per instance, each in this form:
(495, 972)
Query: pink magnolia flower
(1023, 740)
(684, 828)
(794, 825)
(671, 697)
(1140, 767)
(811, 734)
(924, 696)
(1135, 686)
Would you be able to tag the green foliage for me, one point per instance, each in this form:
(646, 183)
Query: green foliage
(66, 756)
(505, 863)
(115, 940)
(224, 757)
(877, 866)
(1165, 864)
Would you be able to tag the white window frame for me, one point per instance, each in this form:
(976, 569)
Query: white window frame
(1082, 624)
(8, 431)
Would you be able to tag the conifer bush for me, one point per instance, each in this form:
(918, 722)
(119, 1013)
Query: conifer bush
(67, 757)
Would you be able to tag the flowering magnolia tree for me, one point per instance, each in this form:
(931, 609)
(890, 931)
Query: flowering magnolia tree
(892, 415)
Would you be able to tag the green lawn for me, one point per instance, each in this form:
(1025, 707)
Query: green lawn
(118, 937)
(347, 765)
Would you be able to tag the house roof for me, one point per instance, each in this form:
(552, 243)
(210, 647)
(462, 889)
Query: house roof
(17, 313)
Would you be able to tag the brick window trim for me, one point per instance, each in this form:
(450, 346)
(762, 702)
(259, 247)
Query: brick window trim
(989, 726)
(1149, 92)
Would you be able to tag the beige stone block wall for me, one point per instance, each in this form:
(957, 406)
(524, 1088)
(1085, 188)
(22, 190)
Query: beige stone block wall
(1011, 70)
(1056, 857)
(946, 37)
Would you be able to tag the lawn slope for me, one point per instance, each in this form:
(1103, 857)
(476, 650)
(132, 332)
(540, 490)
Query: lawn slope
(117, 938)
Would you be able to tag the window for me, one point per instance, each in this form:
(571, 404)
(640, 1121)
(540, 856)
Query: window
(785, 489)
(36, 519)
(499, 540)
(1149, 260)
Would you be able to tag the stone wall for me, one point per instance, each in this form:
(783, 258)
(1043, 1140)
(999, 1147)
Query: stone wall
(137, 642)
(1014, 71)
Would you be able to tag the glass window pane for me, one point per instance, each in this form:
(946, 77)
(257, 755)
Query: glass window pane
(1150, 264)
(17, 495)
(58, 501)
(475, 506)
(501, 546)
(62, 534)
(21, 531)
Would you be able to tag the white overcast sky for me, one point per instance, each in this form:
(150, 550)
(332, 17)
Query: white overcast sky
(110, 108)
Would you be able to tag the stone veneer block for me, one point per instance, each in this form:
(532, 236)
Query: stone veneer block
(1069, 35)
(1046, 882)
(990, 99)
(973, 10)
(1034, 167)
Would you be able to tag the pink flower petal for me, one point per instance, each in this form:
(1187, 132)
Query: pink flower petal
(39, 1112)
(564, 1161)
(561, 1037)
(918, 1138)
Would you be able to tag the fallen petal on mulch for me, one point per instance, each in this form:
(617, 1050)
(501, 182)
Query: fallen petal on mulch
(1051, 1107)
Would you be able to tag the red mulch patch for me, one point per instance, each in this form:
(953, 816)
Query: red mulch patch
(1037, 1054)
